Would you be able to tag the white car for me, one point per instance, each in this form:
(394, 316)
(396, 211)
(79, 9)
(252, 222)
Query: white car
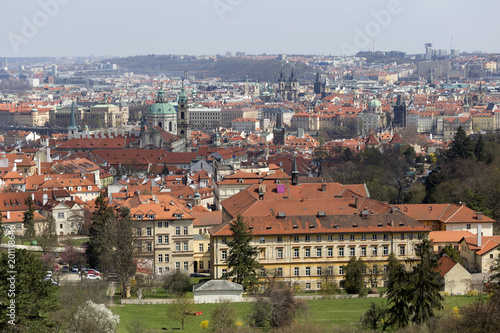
(93, 277)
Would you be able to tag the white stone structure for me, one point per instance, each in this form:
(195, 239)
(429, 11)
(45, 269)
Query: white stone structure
(216, 291)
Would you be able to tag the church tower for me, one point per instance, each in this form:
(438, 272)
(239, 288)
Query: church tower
(72, 129)
(183, 125)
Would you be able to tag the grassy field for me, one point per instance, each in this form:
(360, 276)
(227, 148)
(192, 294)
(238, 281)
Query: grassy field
(326, 313)
(75, 242)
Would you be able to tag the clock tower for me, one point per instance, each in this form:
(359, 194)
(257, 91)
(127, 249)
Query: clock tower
(183, 125)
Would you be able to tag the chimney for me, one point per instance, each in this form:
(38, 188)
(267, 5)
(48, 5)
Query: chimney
(8, 215)
(479, 215)
(49, 159)
(14, 168)
(356, 202)
(323, 187)
(479, 236)
(45, 198)
(33, 196)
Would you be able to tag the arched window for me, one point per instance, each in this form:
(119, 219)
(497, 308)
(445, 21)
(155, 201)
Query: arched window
(160, 124)
(182, 131)
(182, 115)
(170, 126)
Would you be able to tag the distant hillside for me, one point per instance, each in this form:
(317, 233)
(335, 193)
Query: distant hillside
(226, 68)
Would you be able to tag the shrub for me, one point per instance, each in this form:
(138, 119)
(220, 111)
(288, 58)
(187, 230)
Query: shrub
(373, 291)
(177, 283)
(329, 288)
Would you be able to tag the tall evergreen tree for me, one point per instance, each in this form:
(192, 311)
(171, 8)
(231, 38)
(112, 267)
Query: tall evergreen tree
(122, 244)
(479, 151)
(242, 257)
(461, 146)
(398, 293)
(354, 278)
(425, 296)
(97, 231)
(29, 219)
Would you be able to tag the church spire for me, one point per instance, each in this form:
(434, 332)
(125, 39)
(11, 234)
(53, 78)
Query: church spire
(72, 129)
(295, 172)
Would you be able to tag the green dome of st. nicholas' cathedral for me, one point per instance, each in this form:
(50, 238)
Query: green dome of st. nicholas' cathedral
(161, 106)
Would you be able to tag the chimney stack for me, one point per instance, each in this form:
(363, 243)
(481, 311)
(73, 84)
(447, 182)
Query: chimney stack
(8, 215)
(356, 202)
(45, 198)
(479, 215)
(479, 236)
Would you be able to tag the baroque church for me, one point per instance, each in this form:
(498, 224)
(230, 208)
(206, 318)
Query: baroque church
(165, 127)
(288, 90)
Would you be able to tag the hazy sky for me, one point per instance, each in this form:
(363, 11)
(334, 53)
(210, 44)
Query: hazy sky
(131, 27)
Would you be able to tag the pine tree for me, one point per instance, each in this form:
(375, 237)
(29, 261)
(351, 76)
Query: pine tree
(398, 293)
(241, 260)
(354, 280)
(97, 231)
(425, 294)
(29, 219)
(461, 146)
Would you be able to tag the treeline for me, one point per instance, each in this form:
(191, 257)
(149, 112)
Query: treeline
(225, 68)
(469, 171)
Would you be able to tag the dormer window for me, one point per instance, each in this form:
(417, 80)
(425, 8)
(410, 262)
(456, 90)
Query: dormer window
(139, 217)
(240, 180)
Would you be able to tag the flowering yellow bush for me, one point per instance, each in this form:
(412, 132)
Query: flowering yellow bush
(204, 324)
(239, 323)
(456, 312)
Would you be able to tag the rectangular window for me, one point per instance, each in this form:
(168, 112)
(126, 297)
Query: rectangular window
(410, 236)
(262, 239)
(177, 231)
(295, 253)
(402, 236)
(149, 247)
(167, 257)
(224, 271)
(341, 270)
(341, 237)
(308, 252)
(330, 270)
(363, 237)
(148, 232)
(341, 251)
(308, 271)
(177, 265)
(165, 224)
(201, 264)
(200, 247)
(402, 250)
(279, 253)
(352, 251)
(374, 236)
(262, 271)
(138, 232)
(318, 271)
(351, 237)
(318, 285)
(177, 246)
(386, 269)
(468, 226)
(160, 239)
(280, 239)
(60, 215)
(165, 239)
(308, 286)
(330, 237)
(186, 265)
(318, 238)
(279, 272)
(386, 250)
(224, 255)
(308, 238)
(319, 252)
(185, 248)
(330, 252)
(374, 251)
(363, 251)
(386, 236)
(295, 271)
(160, 224)
(160, 258)
(296, 238)
(185, 230)
(223, 240)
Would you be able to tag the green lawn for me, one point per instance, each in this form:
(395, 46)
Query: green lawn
(75, 242)
(326, 313)
(18, 240)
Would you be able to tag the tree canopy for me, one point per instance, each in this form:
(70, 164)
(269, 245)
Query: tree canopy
(241, 260)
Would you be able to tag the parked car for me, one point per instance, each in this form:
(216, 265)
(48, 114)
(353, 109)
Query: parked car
(56, 267)
(197, 275)
(91, 271)
(74, 270)
(65, 269)
(49, 279)
(93, 277)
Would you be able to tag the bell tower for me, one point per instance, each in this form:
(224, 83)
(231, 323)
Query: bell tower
(183, 125)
